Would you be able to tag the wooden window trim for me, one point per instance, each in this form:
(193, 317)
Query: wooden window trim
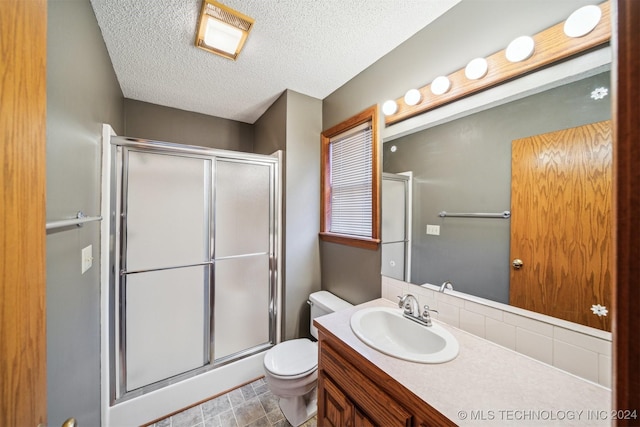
(368, 115)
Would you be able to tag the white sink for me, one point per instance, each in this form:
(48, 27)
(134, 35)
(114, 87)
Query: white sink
(386, 330)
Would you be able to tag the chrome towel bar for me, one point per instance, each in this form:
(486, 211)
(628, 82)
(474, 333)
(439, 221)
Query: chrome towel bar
(78, 220)
(503, 215)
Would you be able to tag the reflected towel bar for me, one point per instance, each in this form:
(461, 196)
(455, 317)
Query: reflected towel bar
(503, 215)
(78, 220)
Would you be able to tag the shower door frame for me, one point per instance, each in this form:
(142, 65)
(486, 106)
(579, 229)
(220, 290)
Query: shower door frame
(407, 179)
(120, 146)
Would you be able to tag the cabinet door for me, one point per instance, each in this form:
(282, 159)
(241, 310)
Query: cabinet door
(361, 392)
(334, 408)
(361, 420)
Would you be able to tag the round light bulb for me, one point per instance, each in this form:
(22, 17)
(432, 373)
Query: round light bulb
(520, 49)
(440, 85)
(476, 69)
(582, 21)
(412, 97)
(389, 107)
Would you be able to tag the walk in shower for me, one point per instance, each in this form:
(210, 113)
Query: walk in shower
(193, 262)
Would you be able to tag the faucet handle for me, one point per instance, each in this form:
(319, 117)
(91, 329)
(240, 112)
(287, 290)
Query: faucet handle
(426, 311)
(402, 300)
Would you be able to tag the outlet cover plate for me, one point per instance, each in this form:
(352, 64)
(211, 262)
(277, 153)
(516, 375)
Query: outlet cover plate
(87, 258)
(433, 229)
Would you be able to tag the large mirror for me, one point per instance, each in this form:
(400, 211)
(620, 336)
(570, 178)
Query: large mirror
(460, 196)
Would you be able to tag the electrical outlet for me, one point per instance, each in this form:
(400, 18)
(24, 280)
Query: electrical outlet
(87, 258)
(433, 229)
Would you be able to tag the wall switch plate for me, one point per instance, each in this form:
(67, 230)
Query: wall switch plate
(87, 258)
(433, 229)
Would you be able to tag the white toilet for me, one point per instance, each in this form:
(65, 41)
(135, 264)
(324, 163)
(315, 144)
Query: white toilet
(291, 367)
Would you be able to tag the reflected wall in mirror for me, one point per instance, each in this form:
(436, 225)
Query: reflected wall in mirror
(465, 166)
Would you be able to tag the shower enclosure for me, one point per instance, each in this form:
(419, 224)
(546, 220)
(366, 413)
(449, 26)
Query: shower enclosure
(193, 265)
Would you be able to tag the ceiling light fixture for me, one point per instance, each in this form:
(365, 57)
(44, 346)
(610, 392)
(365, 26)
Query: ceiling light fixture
(222, 30)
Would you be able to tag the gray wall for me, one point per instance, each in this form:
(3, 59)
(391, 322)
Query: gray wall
(465, 166)
(293, 123)
(271, 128)
(151, 121)
(470, 29)
(82, 93)
(302, 273)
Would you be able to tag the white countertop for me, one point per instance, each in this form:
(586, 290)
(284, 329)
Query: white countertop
(487, 384)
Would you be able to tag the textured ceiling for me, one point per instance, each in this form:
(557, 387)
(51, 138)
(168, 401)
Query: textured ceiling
(310, 46)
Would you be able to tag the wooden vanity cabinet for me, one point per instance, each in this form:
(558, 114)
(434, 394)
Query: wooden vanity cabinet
(353, 392)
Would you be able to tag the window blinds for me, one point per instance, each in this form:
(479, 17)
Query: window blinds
(351, 182)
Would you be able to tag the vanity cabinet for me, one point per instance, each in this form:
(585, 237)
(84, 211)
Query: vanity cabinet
(354, 392)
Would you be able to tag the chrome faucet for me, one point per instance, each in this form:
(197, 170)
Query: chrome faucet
(411, 308)
(410, 305)
(446, 285)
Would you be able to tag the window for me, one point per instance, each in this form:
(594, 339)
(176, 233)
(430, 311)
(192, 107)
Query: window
(350, 180)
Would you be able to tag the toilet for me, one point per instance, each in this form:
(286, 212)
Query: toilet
(291, 367)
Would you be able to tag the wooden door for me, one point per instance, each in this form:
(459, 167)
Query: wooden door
(23, 30)
(561, 223)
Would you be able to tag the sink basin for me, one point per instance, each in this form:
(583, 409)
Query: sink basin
(386, 330)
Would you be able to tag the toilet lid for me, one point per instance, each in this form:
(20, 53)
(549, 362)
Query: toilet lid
(293, 357)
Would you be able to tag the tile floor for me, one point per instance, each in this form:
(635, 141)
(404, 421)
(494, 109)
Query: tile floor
(251, 405)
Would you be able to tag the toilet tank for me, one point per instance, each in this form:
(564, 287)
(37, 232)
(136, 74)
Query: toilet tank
(323, 302)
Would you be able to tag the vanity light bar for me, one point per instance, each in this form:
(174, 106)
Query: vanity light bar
(525, 54)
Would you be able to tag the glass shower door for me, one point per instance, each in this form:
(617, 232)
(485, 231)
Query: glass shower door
(194, 277)
(244, 285)
(395, 224)
(166, 266)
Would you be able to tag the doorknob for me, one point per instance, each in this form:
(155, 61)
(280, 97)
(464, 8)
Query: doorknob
(517, 264)
(71, 422)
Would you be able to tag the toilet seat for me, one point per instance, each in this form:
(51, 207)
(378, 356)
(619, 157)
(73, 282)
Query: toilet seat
(292, 359)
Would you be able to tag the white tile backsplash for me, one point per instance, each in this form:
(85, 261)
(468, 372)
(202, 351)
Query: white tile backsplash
(580, 350)
(534, 345)
(473, 323)
(581, 340)
(500, 333)
(449, 314)
(604, 370)
(393, 288)
(529, 324)
(577, 360)
(486, 311)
